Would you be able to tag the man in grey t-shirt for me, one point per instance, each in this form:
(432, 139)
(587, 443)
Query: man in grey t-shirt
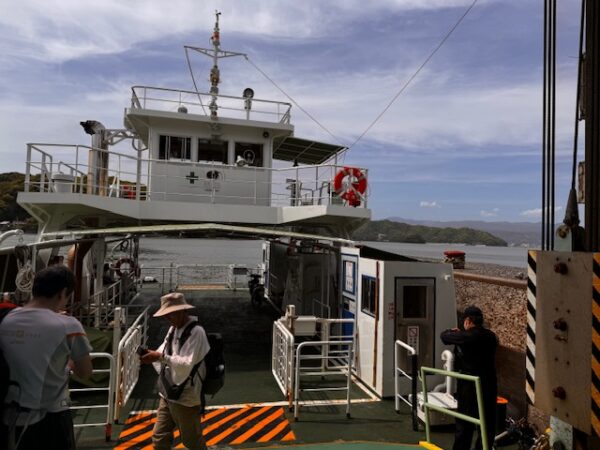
(41, 347)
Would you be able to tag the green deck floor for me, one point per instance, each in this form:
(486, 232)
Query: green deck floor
(349, 446)
(247, 335)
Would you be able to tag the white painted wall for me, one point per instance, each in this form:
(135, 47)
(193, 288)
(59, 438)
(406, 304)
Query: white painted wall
(365, 343)
(235, 185)
(445, 317)
(445, 311)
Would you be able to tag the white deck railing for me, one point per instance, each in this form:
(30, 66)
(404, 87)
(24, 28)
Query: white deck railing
(188, 276)
(130, 177)
(282, 359)
(109, 389)
(399, 373)
(164, 99)
(128, 362)
(98, 309)
(331, 355)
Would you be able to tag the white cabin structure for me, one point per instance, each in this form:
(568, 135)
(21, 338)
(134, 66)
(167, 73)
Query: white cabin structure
(198, 157)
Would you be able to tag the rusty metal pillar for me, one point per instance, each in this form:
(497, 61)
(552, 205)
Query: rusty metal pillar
(592, 126)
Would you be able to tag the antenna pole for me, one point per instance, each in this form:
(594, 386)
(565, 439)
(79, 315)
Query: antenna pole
(214, 71)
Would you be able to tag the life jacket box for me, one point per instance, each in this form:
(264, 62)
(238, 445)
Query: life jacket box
(305, 326)
(62, 183)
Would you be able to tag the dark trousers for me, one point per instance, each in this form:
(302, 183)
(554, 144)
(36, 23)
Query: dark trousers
(467, 404)
(53, 432)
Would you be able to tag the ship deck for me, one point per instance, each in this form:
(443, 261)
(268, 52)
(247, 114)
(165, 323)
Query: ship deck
(250, 411)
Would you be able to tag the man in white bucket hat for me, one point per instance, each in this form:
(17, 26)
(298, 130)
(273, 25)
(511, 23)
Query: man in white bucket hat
(180, 363)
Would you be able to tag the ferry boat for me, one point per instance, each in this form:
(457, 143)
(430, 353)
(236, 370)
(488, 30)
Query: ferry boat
(321, 338)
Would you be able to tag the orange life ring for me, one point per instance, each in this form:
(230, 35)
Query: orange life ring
(132, 267)
(353, 190)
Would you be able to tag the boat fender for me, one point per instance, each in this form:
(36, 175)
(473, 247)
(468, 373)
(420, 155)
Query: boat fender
(131, 267)
(353, 190)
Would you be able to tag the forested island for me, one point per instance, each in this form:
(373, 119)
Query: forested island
(10, 184)
(387, 230)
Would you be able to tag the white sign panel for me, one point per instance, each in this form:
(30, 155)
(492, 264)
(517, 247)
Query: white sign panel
(412, 337)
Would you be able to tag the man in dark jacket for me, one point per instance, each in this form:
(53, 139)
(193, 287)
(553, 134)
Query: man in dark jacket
(475, 354)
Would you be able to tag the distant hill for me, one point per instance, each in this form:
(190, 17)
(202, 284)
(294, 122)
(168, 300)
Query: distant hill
(10, 184)
(514, 233)
(393, 231)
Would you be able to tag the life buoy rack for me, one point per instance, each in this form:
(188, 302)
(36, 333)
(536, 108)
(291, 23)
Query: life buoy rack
(352, 191)
(132, 267)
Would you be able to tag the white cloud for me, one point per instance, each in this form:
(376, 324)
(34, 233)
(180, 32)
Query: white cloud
(426, 204)
(536, 213)
(64, 29)
(493, 213)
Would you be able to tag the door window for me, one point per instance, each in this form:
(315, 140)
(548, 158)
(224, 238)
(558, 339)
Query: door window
(414, 302)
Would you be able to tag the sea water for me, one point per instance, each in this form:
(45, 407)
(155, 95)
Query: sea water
(162, 251)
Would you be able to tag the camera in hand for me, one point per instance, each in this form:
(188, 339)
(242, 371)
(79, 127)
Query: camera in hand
(142, 350)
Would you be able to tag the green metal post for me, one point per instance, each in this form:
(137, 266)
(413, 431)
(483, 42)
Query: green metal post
(479, 422)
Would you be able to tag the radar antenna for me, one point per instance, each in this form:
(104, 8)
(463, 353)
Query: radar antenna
(215, 53)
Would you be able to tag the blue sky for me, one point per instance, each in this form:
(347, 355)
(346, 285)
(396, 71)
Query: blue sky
(462, 142)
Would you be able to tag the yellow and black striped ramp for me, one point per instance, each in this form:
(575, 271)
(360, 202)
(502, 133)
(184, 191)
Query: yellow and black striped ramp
(221, 426)
(596, 346)
(531, 313)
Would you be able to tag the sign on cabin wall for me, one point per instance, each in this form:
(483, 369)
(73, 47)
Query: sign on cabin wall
(210, 183)
(349, 276)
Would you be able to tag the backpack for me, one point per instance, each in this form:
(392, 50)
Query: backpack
(5, 381)
(4, 368)
(215, 368)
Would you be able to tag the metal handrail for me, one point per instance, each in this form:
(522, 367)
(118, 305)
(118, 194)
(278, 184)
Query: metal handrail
(108, 423)
(282, 359)
(323, 372)
(128, 364)
(413, 377)
(131, 178)
(140, 101)
(460, 376)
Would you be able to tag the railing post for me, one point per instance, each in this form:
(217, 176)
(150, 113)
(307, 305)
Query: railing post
(116, 332)
(366, 196)
(482, 424)
(425, 401)
(297, 381)
(415, 376)
(138, 176)
(43, 173)
(28, 168)
(396, 379)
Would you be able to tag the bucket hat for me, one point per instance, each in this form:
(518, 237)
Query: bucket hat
(172, 302)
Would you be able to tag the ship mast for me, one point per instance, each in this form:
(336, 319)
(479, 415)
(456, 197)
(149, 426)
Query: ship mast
(215, 53)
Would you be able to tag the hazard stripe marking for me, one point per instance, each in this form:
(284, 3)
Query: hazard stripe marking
(595, 385)
(220, 426)
(531, 313)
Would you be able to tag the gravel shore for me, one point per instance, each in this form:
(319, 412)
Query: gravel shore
(504, 308)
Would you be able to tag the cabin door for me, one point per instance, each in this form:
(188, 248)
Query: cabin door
(415, 318)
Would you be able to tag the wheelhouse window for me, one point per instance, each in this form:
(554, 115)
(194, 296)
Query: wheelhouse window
(368, 295)
(249, 154)
(212, 151)
(174, 147)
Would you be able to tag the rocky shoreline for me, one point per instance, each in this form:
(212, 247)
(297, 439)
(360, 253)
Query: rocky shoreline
(504, 308)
